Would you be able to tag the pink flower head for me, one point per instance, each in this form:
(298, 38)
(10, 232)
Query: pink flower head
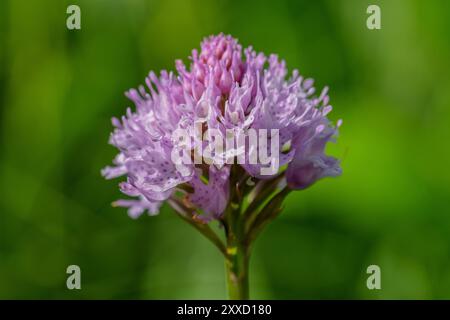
(223, 91)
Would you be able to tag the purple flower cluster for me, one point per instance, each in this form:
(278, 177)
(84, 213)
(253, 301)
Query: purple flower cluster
(220, 90)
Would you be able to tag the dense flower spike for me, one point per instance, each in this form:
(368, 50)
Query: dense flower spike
(223, 91)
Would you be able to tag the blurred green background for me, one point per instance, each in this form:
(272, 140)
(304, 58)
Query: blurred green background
(59, 89)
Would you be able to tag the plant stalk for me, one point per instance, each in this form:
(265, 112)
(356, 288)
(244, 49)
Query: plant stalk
(236, 265)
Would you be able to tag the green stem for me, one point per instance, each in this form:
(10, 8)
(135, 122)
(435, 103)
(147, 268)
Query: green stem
(237, 251)
(236, 265)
